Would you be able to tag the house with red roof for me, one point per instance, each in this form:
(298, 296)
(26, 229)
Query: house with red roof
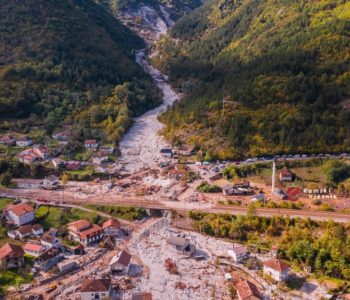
(26, 158)
(83, 232)
(91, 144)
(34, 249)
(120, 263)
(19, 214)
(111, 227)
(285, 175)
(247, 290)
(11, 256)
(277, 269)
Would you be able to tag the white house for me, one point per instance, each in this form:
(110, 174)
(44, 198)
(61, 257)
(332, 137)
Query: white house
(111, 227)
(21, 232)
(50, 241)
(27, 183)
(238, 253)
(37, 230)
(24, 142)
(83, 232)
(34, 249)
(285, 175)
(19, 214)
(51, 181)
(95, 289)
(25, 231)
(277, 269)
(120, 262)
(91, 144)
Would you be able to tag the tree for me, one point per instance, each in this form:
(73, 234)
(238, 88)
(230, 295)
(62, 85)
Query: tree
(6, 178)
(65, 179)
(251, 211)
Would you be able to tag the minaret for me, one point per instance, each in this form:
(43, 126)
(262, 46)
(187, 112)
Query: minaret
(273, 175)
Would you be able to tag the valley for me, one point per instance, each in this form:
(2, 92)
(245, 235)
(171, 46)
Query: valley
(180, 150)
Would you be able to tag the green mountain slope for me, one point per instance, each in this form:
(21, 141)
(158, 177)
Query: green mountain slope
(63, 60)
(281, 65)
(175, 8)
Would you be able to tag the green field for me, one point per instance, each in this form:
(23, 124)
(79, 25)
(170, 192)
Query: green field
(56, 217)
(4, 202)
(14, 278)
(83, 155)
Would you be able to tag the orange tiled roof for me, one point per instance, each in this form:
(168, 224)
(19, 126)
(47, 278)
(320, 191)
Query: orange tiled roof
(8, 249)
(246, 290)
(78, 225)
(276, 264)
(20, 209)
(111, 223)
(91, 231)
(32, 247)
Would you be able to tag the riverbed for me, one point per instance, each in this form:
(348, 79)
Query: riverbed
(140, 146)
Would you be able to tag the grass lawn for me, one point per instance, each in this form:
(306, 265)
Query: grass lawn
(4, 202)
(56, 217)
(310, 174)
(86, 171)
(83, 155)
(5, 239)
(264, 177)
(305, 175)
(14, 277)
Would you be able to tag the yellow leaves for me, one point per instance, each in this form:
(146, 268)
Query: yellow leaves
(344, 11)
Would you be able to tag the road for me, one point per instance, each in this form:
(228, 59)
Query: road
(74, 201)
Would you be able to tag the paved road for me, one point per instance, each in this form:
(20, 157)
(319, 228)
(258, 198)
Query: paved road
(70, 200)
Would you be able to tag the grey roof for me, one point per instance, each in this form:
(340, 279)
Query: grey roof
(165, 150)
(177, 241)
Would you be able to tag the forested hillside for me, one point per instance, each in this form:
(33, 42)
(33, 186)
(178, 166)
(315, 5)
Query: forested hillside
(261, 77)
(69, 61)
(177, 8)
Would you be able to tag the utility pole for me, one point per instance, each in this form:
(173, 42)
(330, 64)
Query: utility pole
(273, 174)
